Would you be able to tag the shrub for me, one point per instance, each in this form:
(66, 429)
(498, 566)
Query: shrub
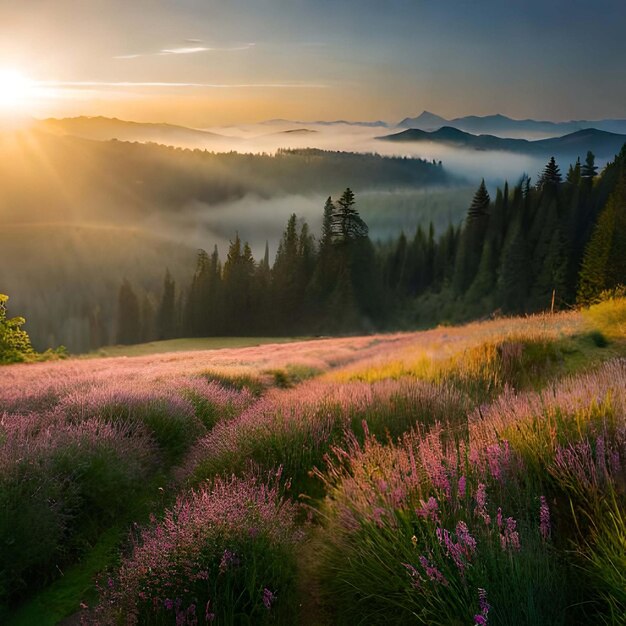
(225, 553)
(61, 484)
(168, 417)
(14, 342)
(609, 316)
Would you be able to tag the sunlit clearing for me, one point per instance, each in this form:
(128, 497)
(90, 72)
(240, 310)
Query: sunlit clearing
(16, 90)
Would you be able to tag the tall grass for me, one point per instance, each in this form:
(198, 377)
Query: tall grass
(411, 530)
(453, 477)
(224, 554)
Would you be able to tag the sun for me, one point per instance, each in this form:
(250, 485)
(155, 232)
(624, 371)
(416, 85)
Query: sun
(16, 90)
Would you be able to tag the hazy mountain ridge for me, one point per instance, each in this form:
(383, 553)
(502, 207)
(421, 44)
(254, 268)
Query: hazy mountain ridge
(503, 126)
(106, 128)
(602, 143)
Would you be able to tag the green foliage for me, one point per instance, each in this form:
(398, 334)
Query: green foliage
(14, 342)
(604, 263)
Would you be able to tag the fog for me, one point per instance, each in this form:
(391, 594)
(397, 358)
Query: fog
(473, 165)
(78, 217)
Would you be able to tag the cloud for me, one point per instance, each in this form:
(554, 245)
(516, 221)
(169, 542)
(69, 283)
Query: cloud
(173, 85)
(186, 50)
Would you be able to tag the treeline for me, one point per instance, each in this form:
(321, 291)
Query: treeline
(562, 238)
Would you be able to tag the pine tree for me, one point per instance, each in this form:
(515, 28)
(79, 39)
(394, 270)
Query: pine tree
(515, 275)
(574, 173)
(239, 270)
(480, 204)
(472, 240)
(148, 319)
(166, 319)
(604, 263)
(327, 225)
(346, 223)
(551, 176)
(589, 169)
(128, 316)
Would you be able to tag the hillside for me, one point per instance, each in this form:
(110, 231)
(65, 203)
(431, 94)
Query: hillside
(390, 444)
(105, 129)
(61, 178)
(603, 144)
(64, 278)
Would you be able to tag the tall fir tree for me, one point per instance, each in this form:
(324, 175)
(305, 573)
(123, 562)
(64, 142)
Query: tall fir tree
(167, 319)
(128, 315)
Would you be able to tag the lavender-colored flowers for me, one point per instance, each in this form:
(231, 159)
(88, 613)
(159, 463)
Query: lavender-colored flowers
(480, 619)
(268, 598)
(544, 519)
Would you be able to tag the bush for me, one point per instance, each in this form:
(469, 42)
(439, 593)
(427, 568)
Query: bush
(14, 342)
(224, 553)
(61, 484)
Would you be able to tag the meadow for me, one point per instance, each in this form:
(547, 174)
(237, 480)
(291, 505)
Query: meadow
(461, 475)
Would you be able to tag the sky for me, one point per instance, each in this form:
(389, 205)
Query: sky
(218, 62)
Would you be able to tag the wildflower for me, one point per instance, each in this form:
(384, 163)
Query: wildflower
(268, 598)
(510, 537)
(480, 619)
(429, 510)
(432, 572)
(209, 616)
(414, 574)
(228, 559)
(465, 538)
(499, 519)
(483, 605)
(168, 604)
(414, 541)
(462, 485)
(481, 503)
(544, 518)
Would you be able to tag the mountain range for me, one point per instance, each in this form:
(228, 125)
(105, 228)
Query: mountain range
(603, 144)
(503, 126)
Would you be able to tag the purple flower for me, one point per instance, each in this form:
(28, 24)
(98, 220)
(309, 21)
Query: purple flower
(544, 519)
(465, 538)
(268, 598)
(209, 616)
(462, 485)
(229, 559)
(429, 510)
(168, 604)
(480, 620)
(481, 503)
(432, 572)
(510, 537)
(483, 605)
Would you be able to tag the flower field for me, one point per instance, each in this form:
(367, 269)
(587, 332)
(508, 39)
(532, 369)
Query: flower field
(470, 475)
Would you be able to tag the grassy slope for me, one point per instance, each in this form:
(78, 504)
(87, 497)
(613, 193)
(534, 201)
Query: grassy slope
(578, 350)
(186, 345)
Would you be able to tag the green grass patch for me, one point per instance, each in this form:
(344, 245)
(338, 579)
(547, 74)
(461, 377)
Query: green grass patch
(189, 344)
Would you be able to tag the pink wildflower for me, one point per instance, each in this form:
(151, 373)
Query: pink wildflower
(268, 598)
(462, 486)
(481, 503)
(429, 510)
(544, 519)
(432, 572)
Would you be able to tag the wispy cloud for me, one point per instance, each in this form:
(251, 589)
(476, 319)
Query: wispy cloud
(187, 50)
(88, 84)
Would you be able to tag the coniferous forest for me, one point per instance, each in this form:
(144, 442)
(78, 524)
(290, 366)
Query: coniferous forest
(561, 237)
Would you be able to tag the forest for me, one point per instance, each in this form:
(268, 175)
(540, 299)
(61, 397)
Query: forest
(536, 246)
